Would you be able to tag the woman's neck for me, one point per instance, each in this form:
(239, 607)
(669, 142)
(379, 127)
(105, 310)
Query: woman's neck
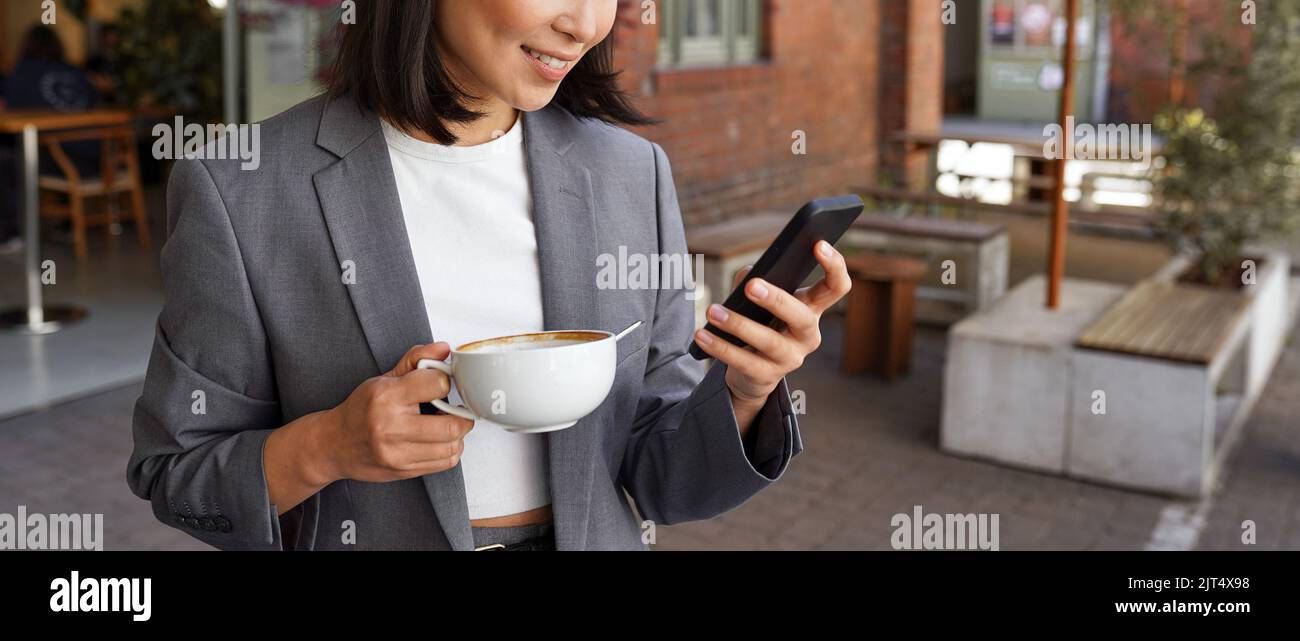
(498, 118)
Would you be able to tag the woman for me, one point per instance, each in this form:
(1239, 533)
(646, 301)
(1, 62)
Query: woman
(456, 183)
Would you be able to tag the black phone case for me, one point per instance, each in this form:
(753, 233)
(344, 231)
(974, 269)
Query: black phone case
(789, 260)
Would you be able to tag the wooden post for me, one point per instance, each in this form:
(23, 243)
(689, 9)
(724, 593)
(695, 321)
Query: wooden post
(1178, 57)
(1061, 210)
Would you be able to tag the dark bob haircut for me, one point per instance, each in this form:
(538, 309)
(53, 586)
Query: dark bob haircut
(41, 43)
(388, 63)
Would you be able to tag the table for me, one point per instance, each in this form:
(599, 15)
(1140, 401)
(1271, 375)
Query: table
(36, 317)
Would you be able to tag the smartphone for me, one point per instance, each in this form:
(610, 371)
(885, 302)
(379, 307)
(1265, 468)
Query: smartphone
(789, 260)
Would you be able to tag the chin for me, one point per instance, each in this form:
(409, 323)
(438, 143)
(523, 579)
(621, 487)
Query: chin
(533, 100)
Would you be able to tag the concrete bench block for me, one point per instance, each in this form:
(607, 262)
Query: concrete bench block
(1007, 381)
(1157, 432)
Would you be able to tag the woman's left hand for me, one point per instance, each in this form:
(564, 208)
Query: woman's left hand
(752, 374)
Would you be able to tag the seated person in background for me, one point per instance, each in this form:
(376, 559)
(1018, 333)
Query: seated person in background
(43, 79)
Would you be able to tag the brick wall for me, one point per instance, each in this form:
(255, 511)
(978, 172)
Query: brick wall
(728, 130)
(911, 83)
(1140, 61)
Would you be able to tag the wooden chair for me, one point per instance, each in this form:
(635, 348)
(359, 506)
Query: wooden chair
(119, 177)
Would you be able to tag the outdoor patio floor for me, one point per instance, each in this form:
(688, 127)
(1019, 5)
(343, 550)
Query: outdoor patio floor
(870, 453)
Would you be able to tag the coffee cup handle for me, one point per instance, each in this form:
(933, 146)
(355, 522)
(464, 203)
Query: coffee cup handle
(442, 366)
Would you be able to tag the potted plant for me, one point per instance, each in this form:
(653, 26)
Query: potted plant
(170, 59)
(1232, 180)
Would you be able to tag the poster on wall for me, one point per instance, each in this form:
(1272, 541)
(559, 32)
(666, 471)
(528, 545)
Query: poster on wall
(1002, 24)
(1036, 20)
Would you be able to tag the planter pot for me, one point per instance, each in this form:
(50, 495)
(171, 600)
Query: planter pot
(1270, 310)
(1017, 389)
(1170, 425)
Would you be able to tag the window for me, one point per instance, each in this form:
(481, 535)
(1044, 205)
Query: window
(709, 32)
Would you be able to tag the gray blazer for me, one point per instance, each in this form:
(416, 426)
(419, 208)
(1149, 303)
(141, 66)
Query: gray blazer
(259, 329)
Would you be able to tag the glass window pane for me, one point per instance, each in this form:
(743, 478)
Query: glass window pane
(743, 18)
(703, 18)
(665, 22)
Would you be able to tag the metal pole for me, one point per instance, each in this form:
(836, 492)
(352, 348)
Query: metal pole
(36, 317)
(31, 230)
(230, 61)
(1060, 209)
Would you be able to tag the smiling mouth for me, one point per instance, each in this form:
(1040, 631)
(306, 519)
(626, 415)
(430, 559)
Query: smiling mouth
(549, 61)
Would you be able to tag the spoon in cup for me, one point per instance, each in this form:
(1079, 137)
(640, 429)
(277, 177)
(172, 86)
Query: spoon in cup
(625, 332)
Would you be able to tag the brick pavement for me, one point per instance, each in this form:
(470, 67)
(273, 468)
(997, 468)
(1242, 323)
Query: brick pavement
(871, 453)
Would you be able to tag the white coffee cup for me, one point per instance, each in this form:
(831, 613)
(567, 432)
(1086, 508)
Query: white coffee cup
(531, 383)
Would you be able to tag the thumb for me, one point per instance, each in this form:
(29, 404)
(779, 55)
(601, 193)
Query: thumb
(435, 351)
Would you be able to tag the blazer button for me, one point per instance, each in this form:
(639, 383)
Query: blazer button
(207, 524)
(223, 523)
(180, 520)
(192, 522)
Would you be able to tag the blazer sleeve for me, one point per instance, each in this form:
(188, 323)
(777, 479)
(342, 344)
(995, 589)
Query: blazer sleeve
(685, 459)
(209, 399)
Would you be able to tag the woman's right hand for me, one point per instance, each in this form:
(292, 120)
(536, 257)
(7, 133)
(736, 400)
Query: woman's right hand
(378, 434)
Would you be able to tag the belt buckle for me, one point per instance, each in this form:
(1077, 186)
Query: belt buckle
(487, 548)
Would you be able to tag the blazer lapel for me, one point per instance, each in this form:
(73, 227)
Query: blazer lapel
(565, 222)
(358, 197)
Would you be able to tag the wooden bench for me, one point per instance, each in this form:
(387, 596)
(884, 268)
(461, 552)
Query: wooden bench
(878, 322)
(1112, 220)
(729, 246)
(1159, 383)
(1171, 321)
(980, 253)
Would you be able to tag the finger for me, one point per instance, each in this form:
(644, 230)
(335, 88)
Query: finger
(424, 468)
(801, 319)
(834, 286)
(432, 466)
(409, 456)
(435, 428)
(425, 453)
(420, 386)
(420, 461)
(740, 275)
(749, 363)
(765, 340)
(435, 351)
